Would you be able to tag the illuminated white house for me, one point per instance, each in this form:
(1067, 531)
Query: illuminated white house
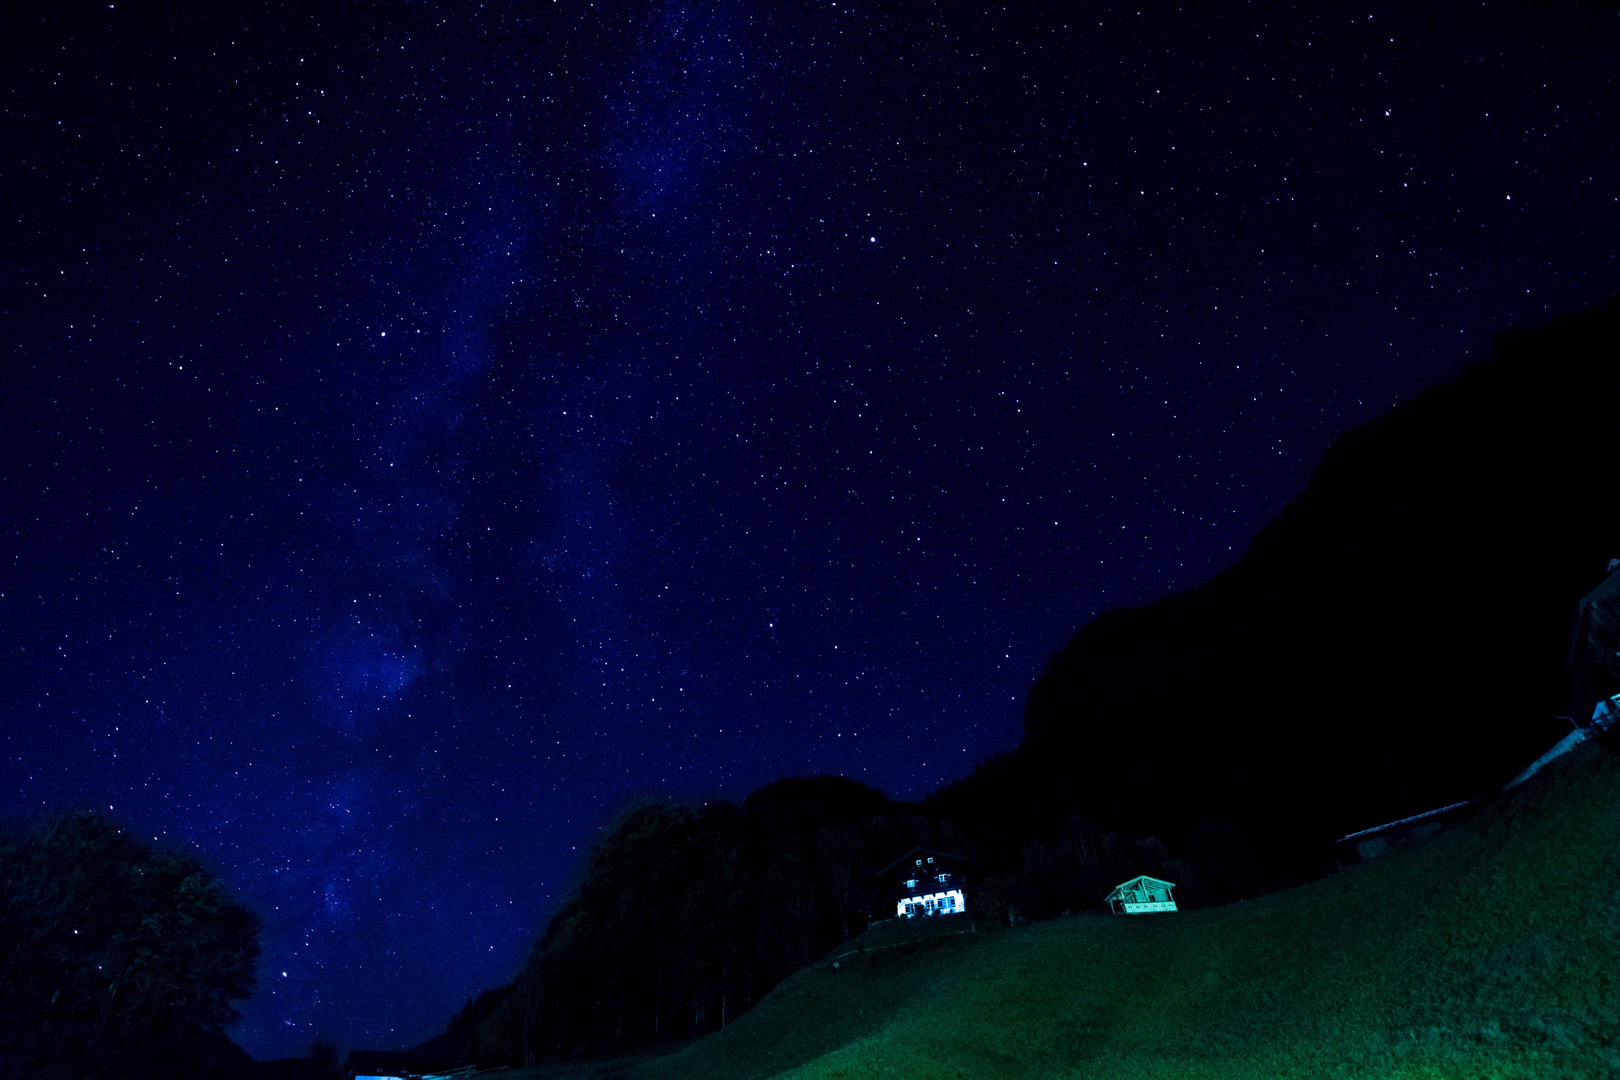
(926, 883)
(1141, 895)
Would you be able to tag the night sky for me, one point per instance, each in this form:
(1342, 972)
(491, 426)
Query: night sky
(425, 427)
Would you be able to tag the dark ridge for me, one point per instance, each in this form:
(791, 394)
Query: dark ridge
(1391, 642)
(844, 801)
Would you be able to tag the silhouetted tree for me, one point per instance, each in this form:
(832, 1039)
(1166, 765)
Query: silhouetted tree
(320, 1062)
(842, 856)
(116, 959)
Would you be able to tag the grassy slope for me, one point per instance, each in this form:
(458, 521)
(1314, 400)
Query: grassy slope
(1489, 951)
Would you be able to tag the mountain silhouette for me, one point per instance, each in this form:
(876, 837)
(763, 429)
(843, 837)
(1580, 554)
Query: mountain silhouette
(1392, 641)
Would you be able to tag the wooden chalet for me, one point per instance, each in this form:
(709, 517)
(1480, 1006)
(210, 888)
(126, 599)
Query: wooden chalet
(1142, 895)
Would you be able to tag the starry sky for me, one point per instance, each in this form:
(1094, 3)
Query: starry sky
(426, 427)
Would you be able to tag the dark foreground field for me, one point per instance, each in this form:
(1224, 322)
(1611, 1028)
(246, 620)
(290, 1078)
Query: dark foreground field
(1489, 951)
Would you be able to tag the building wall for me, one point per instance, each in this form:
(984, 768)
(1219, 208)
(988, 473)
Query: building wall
(941, 903)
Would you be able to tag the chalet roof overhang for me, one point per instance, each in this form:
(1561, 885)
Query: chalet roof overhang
(914, 853)
(1377, 830)
(1141, 879)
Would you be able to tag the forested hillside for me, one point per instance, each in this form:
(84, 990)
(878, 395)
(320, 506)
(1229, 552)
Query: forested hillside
(1391, 642)
(684, 917)
(1488, 951)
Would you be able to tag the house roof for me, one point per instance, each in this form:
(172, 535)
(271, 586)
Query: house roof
(1138, 880)
(1366, 834)
(916, 851)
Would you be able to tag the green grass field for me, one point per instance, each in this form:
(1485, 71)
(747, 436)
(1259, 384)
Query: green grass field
(1488, 951)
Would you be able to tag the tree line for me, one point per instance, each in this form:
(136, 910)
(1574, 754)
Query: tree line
(684, 916)
(120, 960)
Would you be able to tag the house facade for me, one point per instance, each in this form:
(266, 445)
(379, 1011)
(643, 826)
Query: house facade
(924, 883)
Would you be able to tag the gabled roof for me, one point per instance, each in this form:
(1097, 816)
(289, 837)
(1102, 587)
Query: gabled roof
(916, 851)
(1138, 880)
(1366, 834)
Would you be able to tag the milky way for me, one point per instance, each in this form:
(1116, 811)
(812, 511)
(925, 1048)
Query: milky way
(428, 428)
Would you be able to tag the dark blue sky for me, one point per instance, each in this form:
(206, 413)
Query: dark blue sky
(425, 427)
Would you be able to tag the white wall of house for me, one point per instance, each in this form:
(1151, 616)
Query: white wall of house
(941, 903)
